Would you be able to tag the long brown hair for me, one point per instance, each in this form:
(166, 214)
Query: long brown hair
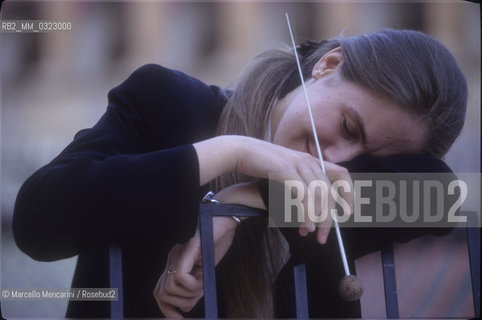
(409, 67)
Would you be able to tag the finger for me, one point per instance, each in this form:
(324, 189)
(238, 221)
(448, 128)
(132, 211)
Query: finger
(307, 225)
(335, 172)
(296, 190)
(186, 267)
(173, 287)
(161, 283)
(168, 286)
(325, 227)
(197, 272)
(317, 193)
(169, 311)
(310, 203)
(324, 230)
(184, 304)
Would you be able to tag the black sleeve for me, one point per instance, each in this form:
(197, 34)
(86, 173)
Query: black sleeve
(134, 175)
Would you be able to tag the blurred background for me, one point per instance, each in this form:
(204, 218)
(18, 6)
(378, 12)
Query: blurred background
(54, 84)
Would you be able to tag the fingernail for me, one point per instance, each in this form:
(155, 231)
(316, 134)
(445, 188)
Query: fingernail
(323, 238)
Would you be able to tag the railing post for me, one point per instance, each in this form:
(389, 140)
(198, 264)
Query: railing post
(301, 292)
(390, 281)
(209, 274)
(473, 246)
(206, 213)
(115, 274)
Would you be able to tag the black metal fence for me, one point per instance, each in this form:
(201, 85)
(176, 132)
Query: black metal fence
(208, 211)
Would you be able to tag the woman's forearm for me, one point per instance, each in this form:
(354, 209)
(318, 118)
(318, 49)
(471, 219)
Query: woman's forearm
(218, 155)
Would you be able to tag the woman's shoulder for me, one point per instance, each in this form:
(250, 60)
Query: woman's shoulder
(159, 101)
(155, 74)
(167, 81)
(154, 85)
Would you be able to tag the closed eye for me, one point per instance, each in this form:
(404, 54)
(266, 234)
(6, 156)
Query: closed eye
(349, 131)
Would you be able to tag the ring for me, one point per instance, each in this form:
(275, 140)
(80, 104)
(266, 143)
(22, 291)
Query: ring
(171, 271)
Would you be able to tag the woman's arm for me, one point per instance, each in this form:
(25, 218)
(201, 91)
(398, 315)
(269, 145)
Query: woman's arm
(257, 158)
(134, 176)
(183, 289)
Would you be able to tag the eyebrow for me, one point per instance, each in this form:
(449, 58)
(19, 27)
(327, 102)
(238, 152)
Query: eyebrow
(356, 116)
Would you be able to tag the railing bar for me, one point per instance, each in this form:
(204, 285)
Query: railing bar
(209, 275)
(115, 275)
(390, 281)
(473, 244)
(301, 295)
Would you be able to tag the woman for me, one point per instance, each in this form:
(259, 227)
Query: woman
(136, 177)
(381, 83)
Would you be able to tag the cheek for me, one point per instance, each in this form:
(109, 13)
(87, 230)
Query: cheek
(291, 134)
(283, 133)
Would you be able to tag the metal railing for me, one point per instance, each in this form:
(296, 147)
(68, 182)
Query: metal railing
(208, 211)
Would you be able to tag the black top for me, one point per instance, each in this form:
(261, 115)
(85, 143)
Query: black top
(133, 180)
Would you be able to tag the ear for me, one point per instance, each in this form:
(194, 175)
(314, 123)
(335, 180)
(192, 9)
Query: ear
(328, 63)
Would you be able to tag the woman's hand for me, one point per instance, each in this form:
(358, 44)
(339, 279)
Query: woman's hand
(181, 284)
(258, 158)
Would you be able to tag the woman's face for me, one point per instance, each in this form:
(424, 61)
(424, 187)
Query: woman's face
(349, 119)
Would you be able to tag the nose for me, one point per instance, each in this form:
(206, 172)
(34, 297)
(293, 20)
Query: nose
(336, 154)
